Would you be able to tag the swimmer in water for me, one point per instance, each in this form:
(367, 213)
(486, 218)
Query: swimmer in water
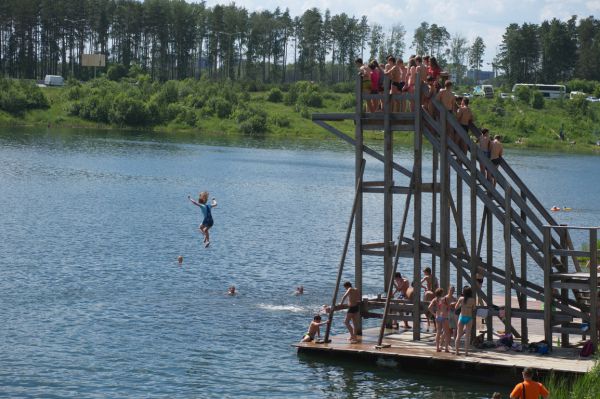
(231, 291)
(180, 259)
(299, 290)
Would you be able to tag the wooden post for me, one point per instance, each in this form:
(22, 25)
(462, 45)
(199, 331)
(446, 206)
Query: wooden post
(358, 216)
(459, 229)
(417, 181)
(344, 252)
(490, 262)
(434, 172)
(474, 260)
(444, 207)
(523, 302)
(507, 258)
(547, 287)
(564, 292)
(388, 183)
(594, 286)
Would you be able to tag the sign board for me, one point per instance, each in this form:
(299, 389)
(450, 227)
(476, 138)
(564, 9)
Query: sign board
(93, 60)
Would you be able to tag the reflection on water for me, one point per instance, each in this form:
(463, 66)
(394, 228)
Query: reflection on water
(95, 304)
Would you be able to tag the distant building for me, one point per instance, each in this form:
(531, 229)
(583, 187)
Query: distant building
(483, 75)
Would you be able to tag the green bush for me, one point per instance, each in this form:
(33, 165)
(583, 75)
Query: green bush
(250, 120)
(13, 101)
(95, 108)
(348, 101)
(128, 111)
(311, 99)
(343, 87)
(116, 72)
(220, 107)
(537, 100)
(523, 94)
(168, 93)
(280, 120)
(274, 95)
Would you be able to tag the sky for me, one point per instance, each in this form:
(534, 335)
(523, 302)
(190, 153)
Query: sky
(485, 18)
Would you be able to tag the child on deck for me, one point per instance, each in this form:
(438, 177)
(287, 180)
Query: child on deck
(441, 307)
(207, 222)
(314, 329)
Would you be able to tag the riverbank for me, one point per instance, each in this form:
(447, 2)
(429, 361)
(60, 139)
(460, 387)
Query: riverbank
(200, 108)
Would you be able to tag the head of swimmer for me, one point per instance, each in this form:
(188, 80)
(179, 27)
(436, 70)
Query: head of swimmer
(203, 197)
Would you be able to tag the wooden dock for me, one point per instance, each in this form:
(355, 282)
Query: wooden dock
(489, 365)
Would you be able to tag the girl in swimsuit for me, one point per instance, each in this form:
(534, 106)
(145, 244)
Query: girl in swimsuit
(207, 221)
(466, 303)
(440, 306)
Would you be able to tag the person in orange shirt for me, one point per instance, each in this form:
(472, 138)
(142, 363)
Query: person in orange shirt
(529, 389)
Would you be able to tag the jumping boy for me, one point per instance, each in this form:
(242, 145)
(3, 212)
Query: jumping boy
(207, 222)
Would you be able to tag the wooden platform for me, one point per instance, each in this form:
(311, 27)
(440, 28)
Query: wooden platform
(485, 365)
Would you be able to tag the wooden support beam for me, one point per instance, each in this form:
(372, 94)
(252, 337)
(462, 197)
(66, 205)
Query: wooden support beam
(547, 288)
(507, 262)
(594, 286)
(417, 221)
(474, 258)
(444, 211)
(523, 302)
(362, 147)
(359, 164)
(458, 221)
(344, 252)
(489, 260)
(388, 182)
(434, 197)
(564, 292)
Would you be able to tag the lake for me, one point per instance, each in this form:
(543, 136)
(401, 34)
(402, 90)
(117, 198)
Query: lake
(96, 305)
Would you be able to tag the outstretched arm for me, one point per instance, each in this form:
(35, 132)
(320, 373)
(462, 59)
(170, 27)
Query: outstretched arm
(192, 201)
(213, 203)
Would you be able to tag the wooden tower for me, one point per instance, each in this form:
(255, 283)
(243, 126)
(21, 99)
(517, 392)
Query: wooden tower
(530, 236)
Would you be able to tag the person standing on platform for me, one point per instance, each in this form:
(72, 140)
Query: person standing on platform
(446, 97)
(365, 74)
(465, 118)
(496, 153)
(529, 389)
(466, 303)
(351, 320)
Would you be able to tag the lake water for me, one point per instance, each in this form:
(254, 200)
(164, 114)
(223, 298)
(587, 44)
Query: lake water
(94, 303)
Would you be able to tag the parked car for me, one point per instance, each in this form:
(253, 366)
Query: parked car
(486, 91)
(54, 80)
(574, 94)
(505, 95)
(593, 99)
(466, 95)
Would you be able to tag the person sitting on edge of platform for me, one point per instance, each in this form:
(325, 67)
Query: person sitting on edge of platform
(496, 153)
(529, 389)
(440, 307)
(466, 303)
(314, 329)
(401, 287)
(353, 297)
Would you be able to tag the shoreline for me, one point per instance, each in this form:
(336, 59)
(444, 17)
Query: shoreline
(404, 139)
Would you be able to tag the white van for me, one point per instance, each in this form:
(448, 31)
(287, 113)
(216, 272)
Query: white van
(486, 91)
(54, 80)
(574, 94)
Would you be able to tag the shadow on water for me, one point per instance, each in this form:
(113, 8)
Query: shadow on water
(387, 378)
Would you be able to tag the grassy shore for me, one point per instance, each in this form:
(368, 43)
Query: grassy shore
(286, 112)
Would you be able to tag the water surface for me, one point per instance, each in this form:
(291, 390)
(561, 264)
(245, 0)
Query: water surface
(95, 304)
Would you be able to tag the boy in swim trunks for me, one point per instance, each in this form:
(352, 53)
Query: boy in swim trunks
(314, 329)
(207, 221)
(465, 117)
(353, 297)
(496, 152)
(484, 145)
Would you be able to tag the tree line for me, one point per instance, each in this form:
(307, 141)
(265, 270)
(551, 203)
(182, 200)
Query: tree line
(173, 39)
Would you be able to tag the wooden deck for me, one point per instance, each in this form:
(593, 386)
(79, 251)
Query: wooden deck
(482, 364)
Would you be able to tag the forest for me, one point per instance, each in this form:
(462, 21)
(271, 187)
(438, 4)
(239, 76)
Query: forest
(174, 39)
